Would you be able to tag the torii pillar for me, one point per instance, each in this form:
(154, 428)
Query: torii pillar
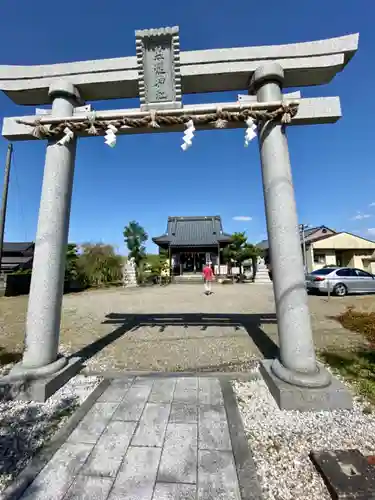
(295, 378)
(41, 357)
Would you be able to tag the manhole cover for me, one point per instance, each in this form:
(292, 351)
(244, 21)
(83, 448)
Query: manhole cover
(347, 473)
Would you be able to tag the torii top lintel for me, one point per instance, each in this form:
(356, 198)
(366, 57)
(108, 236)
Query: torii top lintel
(198, 71)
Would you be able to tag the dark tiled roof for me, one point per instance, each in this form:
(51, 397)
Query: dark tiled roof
(263, 245)
(193, 231)
(17, 247)
(14, 262)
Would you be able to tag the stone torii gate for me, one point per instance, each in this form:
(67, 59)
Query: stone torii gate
(159, 74)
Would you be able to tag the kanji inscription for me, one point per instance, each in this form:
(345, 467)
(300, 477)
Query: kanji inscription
(159, 73)
(158, 67)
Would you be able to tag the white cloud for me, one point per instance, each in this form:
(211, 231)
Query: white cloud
(361, 216)
(372, 204)
(242, 217)
(371, 230)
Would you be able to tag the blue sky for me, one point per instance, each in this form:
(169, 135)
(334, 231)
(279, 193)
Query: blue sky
(148, 177)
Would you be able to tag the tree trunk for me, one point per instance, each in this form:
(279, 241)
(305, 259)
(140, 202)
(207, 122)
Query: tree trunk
(254, 264)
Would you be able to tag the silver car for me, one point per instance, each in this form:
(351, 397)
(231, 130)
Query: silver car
(340, 281)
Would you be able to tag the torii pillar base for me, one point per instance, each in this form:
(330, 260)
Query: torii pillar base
(335, 396)
(29, 385)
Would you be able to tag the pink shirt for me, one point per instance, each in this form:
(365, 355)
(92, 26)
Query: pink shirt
(207, 273)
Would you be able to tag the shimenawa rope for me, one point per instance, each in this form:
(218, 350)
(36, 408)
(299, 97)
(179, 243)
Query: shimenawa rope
(92, 126)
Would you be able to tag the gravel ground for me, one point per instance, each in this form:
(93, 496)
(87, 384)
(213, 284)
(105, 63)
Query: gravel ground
(154, 345)
(25, 426)
(281, 440)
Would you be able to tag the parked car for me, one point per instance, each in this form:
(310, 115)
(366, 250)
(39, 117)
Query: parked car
(340, 281)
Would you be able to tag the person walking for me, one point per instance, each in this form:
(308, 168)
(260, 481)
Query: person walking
(208, 276)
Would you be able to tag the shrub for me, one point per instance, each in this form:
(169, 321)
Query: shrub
(99, 265)
(361, 322)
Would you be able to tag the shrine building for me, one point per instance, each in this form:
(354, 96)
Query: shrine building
(193, 241)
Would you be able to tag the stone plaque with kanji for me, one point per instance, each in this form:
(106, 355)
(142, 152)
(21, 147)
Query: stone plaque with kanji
(158, 56)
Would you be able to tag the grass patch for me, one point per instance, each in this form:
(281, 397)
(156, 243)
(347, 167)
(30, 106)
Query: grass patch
(360, 322)
(357, 366)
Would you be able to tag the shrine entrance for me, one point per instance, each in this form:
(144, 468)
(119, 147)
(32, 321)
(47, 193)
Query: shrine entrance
(158, 75)
(192, 262)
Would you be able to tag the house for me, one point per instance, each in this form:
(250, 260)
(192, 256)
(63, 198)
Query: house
(326, 247)
(193, 241)
(17, 257)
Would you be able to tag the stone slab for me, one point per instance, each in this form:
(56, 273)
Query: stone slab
(42, 458)
(152, 426)
(249, 485)
(116, 392)
(56, 478)
(178, 462)
(288, 397)
(137, 475)
(217, 477)
(89, 488)
(110, 374)
(92, 426)
(132, 406)
(186, 391)
(162, 391)
(184, 413)
(143, 382)
(210, 392)
(164, 462)
(109, 451)
(213, 429)
(346, 473)
(173, 491)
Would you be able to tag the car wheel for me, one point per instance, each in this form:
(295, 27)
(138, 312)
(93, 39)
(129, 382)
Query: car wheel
(340, 290)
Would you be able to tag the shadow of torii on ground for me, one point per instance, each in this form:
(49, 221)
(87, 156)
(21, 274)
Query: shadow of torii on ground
(251, 323)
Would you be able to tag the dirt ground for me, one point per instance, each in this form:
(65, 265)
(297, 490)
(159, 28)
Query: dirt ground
(177, 327)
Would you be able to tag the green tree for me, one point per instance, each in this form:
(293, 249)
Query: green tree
(135, 238)
(164, 253)
(155, 262)
(240, 250)
(251, 252)
(98, 264)
(71, 269)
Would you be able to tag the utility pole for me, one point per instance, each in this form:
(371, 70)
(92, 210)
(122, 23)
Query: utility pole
(303, 227)
(5, 199)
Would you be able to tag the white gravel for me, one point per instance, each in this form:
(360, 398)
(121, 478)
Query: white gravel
(25, 426)
(281, 440)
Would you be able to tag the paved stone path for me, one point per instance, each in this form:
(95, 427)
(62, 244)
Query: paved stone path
(146, 439)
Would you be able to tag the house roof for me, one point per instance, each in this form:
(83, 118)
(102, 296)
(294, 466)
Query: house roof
(263, 245)
(193, 231)
(9, 263)
(346, 244)
(17, 247)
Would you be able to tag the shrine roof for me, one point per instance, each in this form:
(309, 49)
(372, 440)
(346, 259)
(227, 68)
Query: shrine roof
(193, 231)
